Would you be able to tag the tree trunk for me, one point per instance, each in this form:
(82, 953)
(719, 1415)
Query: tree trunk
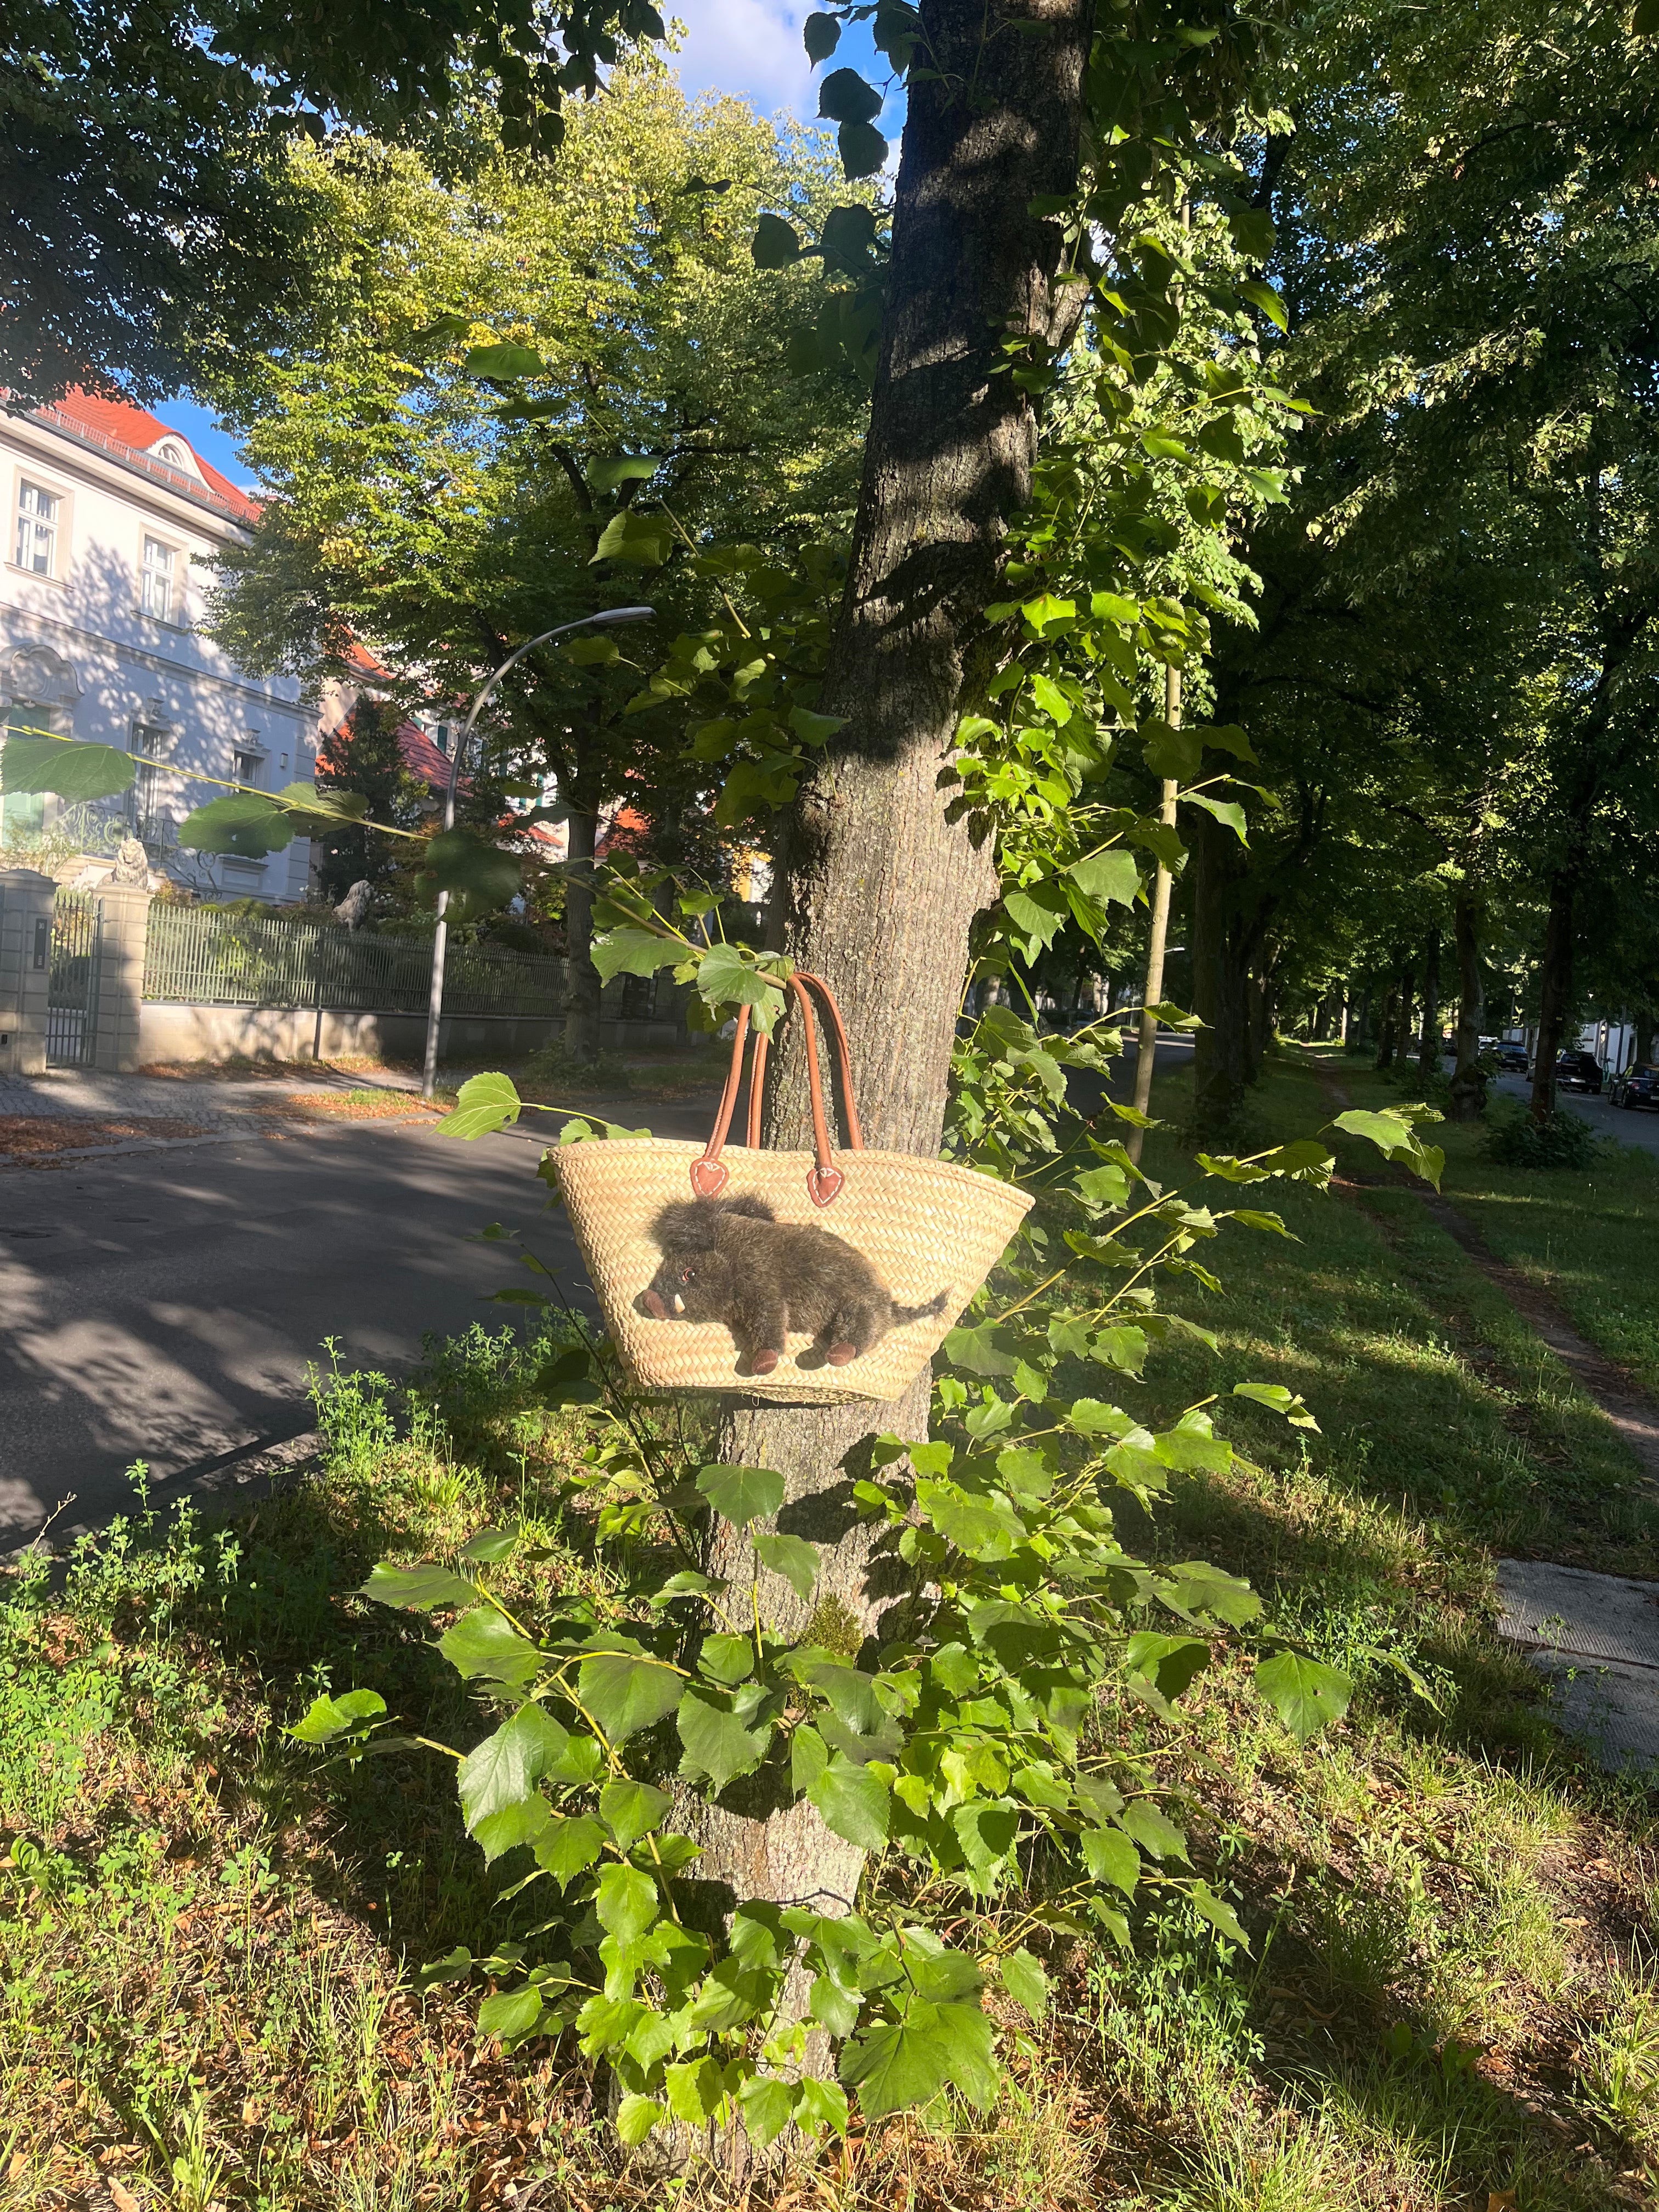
(581, 1021)
(1221, 1048)
(1468, 1084)
(883, 884)
(1428, 1046)
(1158, 936)
(1387, 1029)
(1643, 1036)
(1407, 1002)
(1555, 990)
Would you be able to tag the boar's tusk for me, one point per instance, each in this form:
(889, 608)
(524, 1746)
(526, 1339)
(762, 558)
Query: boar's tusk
(680, 1303)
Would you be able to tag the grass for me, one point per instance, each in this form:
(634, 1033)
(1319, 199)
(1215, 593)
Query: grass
(1585, 1235)
(209, 1942)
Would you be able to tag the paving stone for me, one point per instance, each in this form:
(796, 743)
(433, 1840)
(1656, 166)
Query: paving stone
(1595, 1639)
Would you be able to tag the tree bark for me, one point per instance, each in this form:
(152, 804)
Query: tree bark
(1220, 977)
(1555, 990)
(581, 1021)
(1387, 1029)
(1428, 1046)
(1468, 1084)
(1407, 1002)
(882, 883)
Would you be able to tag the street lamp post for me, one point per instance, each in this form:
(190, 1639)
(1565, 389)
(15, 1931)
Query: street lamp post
(611, 619)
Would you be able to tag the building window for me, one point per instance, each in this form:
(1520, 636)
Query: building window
(37, 530)
(148, 742)
(157, 582)
(247, 771)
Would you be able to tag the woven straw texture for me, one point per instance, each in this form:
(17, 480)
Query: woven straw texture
(924, 1225)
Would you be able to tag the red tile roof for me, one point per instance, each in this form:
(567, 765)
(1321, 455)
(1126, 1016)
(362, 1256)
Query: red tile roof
(130, 432)
(423, 758)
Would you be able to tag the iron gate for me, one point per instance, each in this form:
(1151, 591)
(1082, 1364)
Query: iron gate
(72, 988)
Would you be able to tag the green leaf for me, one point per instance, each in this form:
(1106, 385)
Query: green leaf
(792, 1558)
(1305, 1693)
(820, 35)
(1170, 1663)
(609, 475)
(1170, 752)
(1278, 1400)
(635, 2117)
(633, 1809)
(726, 1659)
(483, 1104)
(1052, 700)
(715, 1739)
(848, 239)
(501, 362)
(1111, 876)
(776, 244)
(1110, 1857)
(1025, 1982)
(634, 953)
(765, 2102)
(635, 540)
(742, 1494)
(521, 1823)
(1157, 1837)
(844, 97)
(903, 2063)
(808, 1757)
(626, 1901)
(863, 149)
(975, 1526)
(1224, 810)
(853, 1803)
(977, 1349)
(624, 1693)
(820, 2105)
(569, 1846)
(246, 823)
(458, 860)
(511, 2015)
(65, 767)
(725, 978)
(490, 1545)
(505, 1768)
(815, 729)
(483, 1643)
(1219, 1914)
(1264, 296)
(328, 1717)
(833, 2006)
(694, 2090)
(419, 1590)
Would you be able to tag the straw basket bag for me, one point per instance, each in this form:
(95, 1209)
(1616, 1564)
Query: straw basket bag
(924, 1225)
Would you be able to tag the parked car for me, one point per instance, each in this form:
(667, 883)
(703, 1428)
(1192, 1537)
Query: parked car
(1511, 1057)
(1577, 1071)
(1636, 1087)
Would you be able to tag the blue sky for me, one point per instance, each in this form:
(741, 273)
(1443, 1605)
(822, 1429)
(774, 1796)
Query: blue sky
(748, 46)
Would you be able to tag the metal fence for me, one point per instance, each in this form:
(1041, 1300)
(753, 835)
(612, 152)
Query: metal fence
(72, 978)
(198, 957)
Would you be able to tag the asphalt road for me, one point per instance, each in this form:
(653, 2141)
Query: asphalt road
(164, 1305)
(1630, 1125)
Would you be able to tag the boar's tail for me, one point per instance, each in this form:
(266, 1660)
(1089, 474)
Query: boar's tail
(933, 1306)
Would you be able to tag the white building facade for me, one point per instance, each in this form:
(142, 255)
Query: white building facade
(110, 521)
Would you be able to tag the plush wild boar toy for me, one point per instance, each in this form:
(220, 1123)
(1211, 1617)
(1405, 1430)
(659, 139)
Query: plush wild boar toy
(731, 1260)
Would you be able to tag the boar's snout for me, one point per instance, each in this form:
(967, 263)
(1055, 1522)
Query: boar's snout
(652, 1301)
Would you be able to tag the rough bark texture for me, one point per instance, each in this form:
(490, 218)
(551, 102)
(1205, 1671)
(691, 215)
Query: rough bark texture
(1428, 1043)
(881, 884)
(1469, 1084)
(1387, 1029)
(1555, 990)
(581, 1021)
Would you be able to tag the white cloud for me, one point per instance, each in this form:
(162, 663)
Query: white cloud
(748, 46)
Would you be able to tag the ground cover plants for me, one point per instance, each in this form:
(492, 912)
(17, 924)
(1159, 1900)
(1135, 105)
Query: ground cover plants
(1448, 1989)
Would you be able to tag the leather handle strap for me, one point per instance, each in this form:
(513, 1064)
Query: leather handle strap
(709, 1175)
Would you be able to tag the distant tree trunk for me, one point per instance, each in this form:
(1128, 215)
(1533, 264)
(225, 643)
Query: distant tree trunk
(1387, 1028)
(1220, 977)
(1555, 990)
(1643, 1036)
(885, 878)
(1468, 1086)
(1407, 1002)
(581, 1021)
(1428, 1049)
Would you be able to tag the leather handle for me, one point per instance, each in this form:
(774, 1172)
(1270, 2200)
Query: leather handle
(709, 1175)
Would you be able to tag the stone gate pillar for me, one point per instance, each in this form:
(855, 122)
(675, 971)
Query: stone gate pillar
(26, 900)
(123, 925)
